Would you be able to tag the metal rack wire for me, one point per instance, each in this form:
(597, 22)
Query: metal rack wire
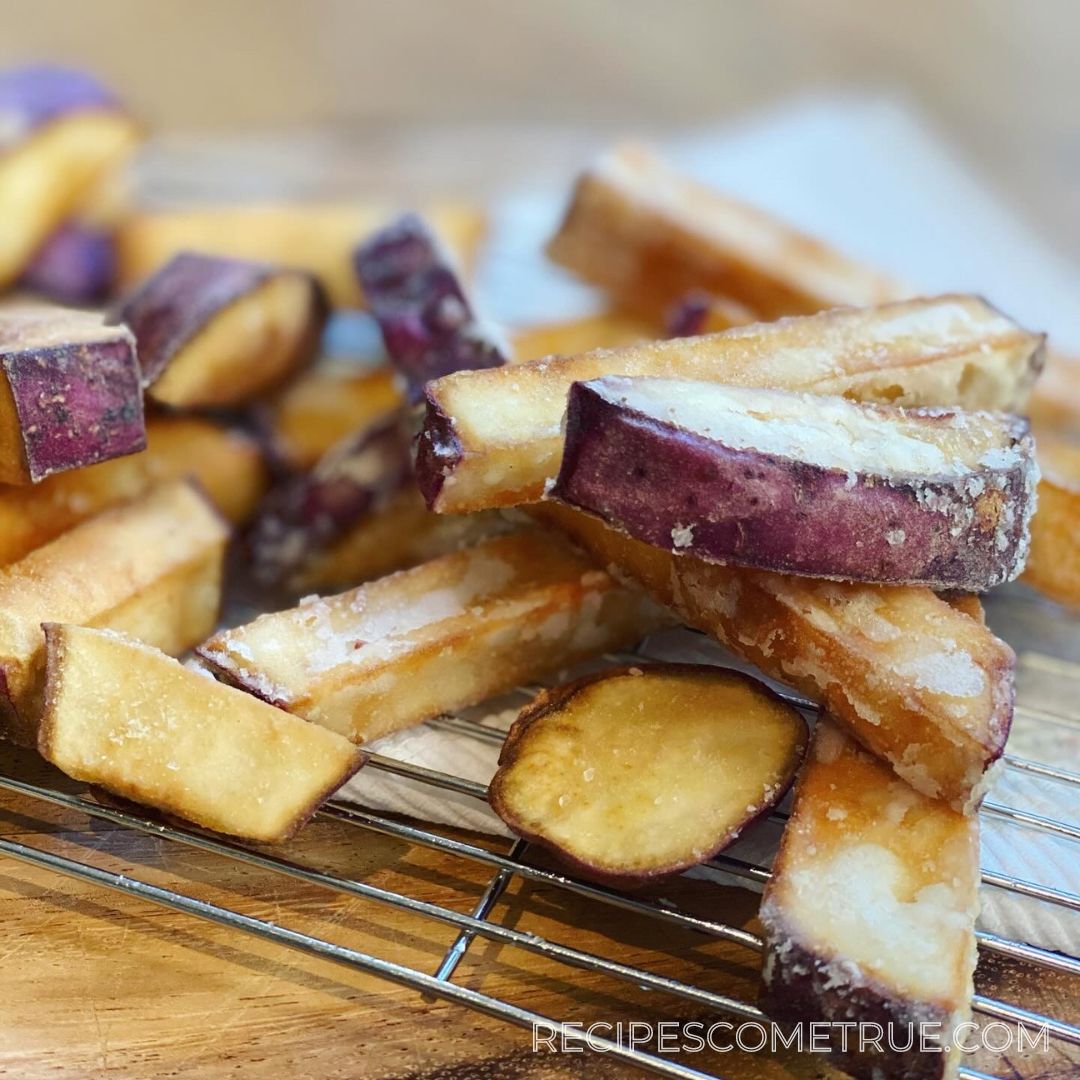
(505, 867)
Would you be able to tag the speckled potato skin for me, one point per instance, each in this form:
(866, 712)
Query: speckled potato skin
(171, 307)
(799, 991)
(551, 701)
(692, 495)
(74, 405)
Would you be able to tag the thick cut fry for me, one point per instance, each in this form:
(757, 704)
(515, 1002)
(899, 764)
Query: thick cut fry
(638, 773)
(448, 633)
(700, 313)
(325, 405)
(227, 464)
(870, 913)
(608, 330)
(649, 236)
(76, 265)
(803, 484)
(134, 721)
(319, 238)
(63, 135)
(1054, 561)
(220, 332)
(151, 568)
(428, 326)
(69, 392)
(394, 537)
(918, 683)
(491, 438)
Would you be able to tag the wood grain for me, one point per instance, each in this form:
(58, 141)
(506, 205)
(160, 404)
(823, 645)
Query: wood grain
(100, 984)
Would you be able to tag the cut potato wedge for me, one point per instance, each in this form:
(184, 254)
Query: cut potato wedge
(870, 912)
(428, 326)
(1053, 565)
(151, 568)
(649, 236)
(699, 313)
(641, 772)
(327, 404)
(607, 330)
(132, 720)
(319, 238)
(492, 438)
(443, 635)
(398, 534)
(227, 464)
(310, 513)
(69, 392)
(803, 484)
(921, 685)
(63, 135)
(219, 332)
(76, 265)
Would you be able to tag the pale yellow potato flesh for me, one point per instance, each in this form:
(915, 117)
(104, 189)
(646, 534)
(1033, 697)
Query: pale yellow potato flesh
(947, 351)
(323, 406)
(136, 722)
(646, 771)
(151, 568)
(401, 534)
(246, 349)
(316, 237)
(874, 892)
(1053, 565)
(227, 464)
(46, 179)
(922, 685)
(442, 635)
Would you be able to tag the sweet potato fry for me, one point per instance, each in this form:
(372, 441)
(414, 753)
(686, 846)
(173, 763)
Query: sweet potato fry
(491, 438)
(1055, 402)
(63, 134)
(134, 721)
(649, 236)
(803, 484)
(319, 238)
(412, 288)
(151, 568)
(1053, 565)
(227, 464)
(607, 330)
(400, 533)
(69, 392)
(918, 683)
(638, 773)
(76, 265)
(324, 406)
(220, 332)
(445, 634)
(870, 912)
(699, 313)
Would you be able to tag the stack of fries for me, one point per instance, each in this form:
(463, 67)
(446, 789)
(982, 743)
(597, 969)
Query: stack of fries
(761, 439)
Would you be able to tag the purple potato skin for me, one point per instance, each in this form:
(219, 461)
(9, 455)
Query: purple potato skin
(31, 97)
(76, 404)
(688, 317)
(438, 452)
(413, 290)
(311, 512)
(747, 507)
(798, 990)
(174, 304)
(556, 698)
(75, 266)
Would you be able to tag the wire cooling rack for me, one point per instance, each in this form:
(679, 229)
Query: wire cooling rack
(514, 863)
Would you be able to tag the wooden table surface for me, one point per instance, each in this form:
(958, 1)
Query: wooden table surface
(101, 984)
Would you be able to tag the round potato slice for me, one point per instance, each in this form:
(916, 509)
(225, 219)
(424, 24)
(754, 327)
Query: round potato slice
(641, 772)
